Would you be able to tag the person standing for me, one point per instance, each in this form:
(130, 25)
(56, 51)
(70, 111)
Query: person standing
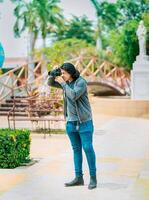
(79, 123)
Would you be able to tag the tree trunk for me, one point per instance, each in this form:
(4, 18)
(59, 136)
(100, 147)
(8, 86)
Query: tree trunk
(98, 37)
(44, 43)
(31, 45)
(98, 44)
(44, 63)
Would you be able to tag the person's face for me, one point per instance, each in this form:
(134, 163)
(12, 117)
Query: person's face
(65, 75)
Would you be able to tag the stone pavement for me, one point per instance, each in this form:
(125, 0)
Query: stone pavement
(122, 149)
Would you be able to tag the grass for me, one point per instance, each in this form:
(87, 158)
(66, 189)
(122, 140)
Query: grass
(50, 131)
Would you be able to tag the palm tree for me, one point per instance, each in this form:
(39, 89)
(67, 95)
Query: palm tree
(26, 19)
(36, 17)
(77, 27)
(50, 17)
(98, 31)
(107, 15)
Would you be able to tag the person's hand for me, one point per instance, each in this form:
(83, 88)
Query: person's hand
(59, 79)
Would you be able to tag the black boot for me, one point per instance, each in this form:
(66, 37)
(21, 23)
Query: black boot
(93, 183)
(76, 182)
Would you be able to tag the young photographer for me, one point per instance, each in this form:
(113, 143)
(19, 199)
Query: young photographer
(79, 126)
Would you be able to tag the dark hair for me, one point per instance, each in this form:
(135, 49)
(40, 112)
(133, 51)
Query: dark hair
(70, 68)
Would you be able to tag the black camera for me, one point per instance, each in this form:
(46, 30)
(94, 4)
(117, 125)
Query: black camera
(55, 72)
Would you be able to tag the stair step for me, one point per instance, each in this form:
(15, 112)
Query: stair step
(16, 114)
(11, 101)
(7, 109)
(18, 97)
(11, 105)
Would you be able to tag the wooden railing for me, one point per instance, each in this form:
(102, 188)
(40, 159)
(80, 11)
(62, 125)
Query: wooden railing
(92, 69)
(105, 72)
(16, 79)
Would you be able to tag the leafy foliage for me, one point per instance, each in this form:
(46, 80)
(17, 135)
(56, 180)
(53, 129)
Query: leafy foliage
(64, 50)
(107, 13)
(146, 22)
(14, 147)
(131, 10)
(125, 45)
(113, 15)
(116, 28)
(38, 17)
(77, 27)
(117, 25)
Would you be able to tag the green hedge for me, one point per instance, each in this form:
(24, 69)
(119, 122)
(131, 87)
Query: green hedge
(14, 147)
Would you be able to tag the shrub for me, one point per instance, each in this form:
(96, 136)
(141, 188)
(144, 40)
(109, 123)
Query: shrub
(125, 45)
(64, 50)
(1, 72)
(14, 147)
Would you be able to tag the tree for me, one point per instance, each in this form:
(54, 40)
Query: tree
(146, 22)
(26, 19)
(77, 27)
(36, 17)
(131, 10)
(124, 44)
(66, 49)
(117, 24)
(50, 16)
(107, 15)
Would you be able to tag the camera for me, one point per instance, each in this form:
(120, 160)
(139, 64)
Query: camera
(55, 72)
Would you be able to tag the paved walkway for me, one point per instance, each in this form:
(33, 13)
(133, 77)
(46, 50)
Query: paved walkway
(122, 149)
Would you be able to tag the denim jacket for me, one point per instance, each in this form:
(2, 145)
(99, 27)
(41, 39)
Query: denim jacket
(78, 94)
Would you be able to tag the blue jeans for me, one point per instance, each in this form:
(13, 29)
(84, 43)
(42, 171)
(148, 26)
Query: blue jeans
(82, 138)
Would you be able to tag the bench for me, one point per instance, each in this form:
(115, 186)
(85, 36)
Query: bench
(36, 112)
(48, 119)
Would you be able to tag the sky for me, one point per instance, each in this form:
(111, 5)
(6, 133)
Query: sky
(18, 47)
(78, 7)
(13, 47)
